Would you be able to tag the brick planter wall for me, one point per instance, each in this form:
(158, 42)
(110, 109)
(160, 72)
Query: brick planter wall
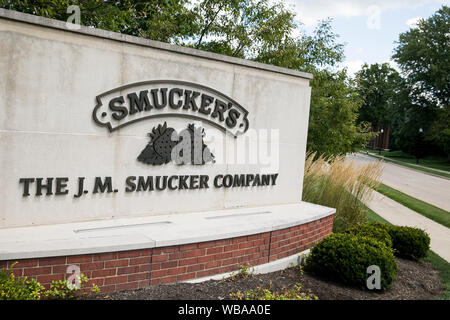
(114, 271)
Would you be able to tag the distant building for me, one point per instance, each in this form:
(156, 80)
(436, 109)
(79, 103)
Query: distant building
(382, 139)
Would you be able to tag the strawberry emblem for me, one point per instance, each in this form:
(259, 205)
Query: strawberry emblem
(163, 139)
(158, 151)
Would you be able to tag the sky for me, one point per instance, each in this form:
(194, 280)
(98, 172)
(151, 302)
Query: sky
(369, 28)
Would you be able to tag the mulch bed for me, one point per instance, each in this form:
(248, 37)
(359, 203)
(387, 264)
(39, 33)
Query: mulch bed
(416, 281)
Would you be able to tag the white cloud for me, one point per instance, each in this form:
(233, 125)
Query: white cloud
(353, 66)
(412, 23)
(393, 65)
(373, 21)
(310, 11)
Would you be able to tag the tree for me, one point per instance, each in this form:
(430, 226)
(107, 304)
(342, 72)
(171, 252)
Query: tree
(439, 130)
(423, 53)
(333, 128)
(378, 86)
(420, 147)
(334, 110)
(241, 28)
(259, 30)
(160, 20)
(263, 31)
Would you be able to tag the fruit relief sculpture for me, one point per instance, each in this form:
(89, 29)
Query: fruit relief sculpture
(167, 145)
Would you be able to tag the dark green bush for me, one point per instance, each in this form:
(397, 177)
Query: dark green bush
(346, 257)
(408, 242)
(380, 225)
(380, 234)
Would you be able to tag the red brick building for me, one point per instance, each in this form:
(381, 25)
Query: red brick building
(382, 139)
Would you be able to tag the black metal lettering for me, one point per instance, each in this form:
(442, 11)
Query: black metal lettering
(161, 186)
(26, 185)
(172, 103)
(144, 184)
(120, 111)
(204, 182)
(216, 181)
(227, 180)
(189, 100)
(139, 104)
(100, 186)
(61, 184)
(219, 110)
(182, 182)
(233, 115)
(40, 186)
(249, 179)
(239, 180)
(257, 181)
(131, 185)
(80, 188)
(206, 101)
(169, 183)
(265, 179)
(193, 182)
(274, 178)
(156, 102)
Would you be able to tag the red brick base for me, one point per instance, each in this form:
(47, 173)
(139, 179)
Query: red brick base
(114, 271)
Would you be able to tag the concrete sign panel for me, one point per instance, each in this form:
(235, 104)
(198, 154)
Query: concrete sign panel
(96, 125)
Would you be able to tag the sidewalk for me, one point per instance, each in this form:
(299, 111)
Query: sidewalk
(398, 214)
(428, 188)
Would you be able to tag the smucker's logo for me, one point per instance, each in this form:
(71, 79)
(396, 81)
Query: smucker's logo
(171, 98)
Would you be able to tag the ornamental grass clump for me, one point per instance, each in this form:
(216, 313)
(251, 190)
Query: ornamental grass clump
(341, 184)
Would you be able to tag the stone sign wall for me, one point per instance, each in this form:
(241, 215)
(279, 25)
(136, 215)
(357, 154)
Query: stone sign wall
(90, 122)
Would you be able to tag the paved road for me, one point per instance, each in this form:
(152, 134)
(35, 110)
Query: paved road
(431, 189)
(400, 215)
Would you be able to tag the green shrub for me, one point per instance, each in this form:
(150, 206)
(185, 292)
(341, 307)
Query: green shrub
(408, 242)
(380, 234)
(346, 257)
(12, 288)
(63, 290)
(380, 225)
(245, 270)
(412, 243)
(20, 288)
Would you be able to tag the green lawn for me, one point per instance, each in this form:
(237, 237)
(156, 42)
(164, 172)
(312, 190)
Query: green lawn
(432, 162)
(434, 213)
(439, 264)
(403, 159)
(443, 268)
